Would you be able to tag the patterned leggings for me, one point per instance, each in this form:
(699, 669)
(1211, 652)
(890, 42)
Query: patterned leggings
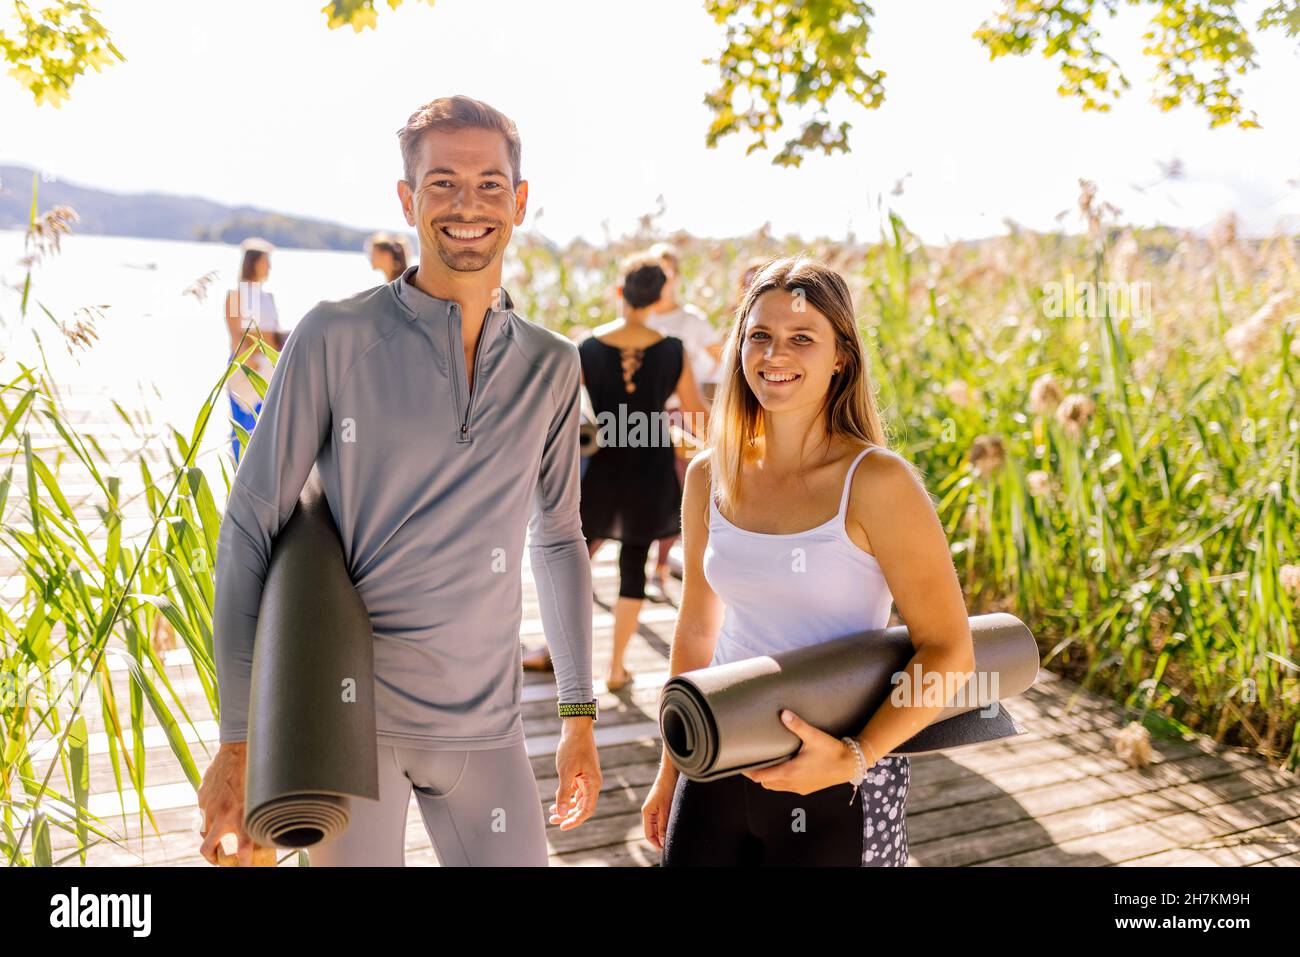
(736, 821)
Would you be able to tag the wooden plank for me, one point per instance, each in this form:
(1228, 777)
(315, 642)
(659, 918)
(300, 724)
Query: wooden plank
(1203, 823)
(1256, 845)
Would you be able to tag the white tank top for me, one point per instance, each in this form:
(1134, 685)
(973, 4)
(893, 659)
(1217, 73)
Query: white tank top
(788, 591)
(258, 304)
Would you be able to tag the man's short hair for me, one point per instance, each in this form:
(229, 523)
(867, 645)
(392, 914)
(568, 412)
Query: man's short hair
(451, 113)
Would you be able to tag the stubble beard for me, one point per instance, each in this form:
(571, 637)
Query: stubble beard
(468, 260)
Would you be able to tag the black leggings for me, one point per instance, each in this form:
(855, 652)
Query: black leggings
(631, 567)
(735, 821)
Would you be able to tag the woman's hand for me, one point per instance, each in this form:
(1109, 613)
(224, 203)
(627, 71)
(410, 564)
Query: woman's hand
(658, 803)
(824, 760)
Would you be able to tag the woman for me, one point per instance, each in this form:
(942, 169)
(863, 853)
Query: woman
(630, 489)
(799, 527)
(250, 316)
(388, 254)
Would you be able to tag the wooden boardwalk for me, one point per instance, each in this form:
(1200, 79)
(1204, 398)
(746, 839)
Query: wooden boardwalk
(1057, 795)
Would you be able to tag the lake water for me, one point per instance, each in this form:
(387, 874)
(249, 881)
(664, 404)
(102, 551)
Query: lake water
(151, 334)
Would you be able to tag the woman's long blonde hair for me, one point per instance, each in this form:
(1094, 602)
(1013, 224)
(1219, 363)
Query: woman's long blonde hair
(736, 417)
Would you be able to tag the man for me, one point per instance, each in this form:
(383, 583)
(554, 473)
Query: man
(439, 420)
(672, 317)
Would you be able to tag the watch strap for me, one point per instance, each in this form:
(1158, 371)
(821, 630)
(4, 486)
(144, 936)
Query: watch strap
(578, 709)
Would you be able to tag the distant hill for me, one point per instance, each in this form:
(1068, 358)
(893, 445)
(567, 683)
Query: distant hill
(163, 216)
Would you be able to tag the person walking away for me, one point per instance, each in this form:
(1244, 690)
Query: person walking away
(251, 316)
(630, 490)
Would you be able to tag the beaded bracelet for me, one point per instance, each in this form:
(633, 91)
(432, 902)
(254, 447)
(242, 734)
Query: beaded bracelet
(585, 709)
(861, 776)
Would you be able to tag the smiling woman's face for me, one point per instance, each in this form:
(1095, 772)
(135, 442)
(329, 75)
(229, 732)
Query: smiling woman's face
(788, 352)
(463, 203)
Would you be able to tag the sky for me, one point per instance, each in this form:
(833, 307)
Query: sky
(248, 102)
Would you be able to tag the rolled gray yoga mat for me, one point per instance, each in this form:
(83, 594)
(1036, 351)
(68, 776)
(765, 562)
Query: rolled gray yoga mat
(722, 720)
(311, 712)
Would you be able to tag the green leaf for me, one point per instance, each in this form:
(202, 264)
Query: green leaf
(79, 755)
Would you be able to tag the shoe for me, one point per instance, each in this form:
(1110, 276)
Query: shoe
(628, 677)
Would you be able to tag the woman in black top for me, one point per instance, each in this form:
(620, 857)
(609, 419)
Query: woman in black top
(630, 489)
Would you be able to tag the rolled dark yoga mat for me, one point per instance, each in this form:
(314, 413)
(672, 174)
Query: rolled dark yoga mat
(588, 438)
(588, 430)
(722, 720)
(311, 713)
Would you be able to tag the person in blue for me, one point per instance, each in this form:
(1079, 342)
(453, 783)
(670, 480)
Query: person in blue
(250, 315)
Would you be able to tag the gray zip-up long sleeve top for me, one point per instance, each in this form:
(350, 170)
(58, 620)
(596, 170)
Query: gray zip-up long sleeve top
(432, 485)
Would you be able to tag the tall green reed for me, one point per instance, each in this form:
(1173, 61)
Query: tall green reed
(91, 595)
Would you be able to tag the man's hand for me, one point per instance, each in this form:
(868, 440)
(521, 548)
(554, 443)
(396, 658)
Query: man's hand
(578, 766)
(221, 800)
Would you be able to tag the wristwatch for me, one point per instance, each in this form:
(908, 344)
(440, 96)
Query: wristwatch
(578, 709)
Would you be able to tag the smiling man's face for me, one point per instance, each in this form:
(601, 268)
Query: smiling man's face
(463, 203)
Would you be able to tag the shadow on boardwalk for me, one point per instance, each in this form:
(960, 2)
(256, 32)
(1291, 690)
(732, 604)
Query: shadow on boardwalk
(1057, 795)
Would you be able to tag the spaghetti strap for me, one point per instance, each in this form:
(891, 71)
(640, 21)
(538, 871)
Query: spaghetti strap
(713, 502)
(848, 479)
